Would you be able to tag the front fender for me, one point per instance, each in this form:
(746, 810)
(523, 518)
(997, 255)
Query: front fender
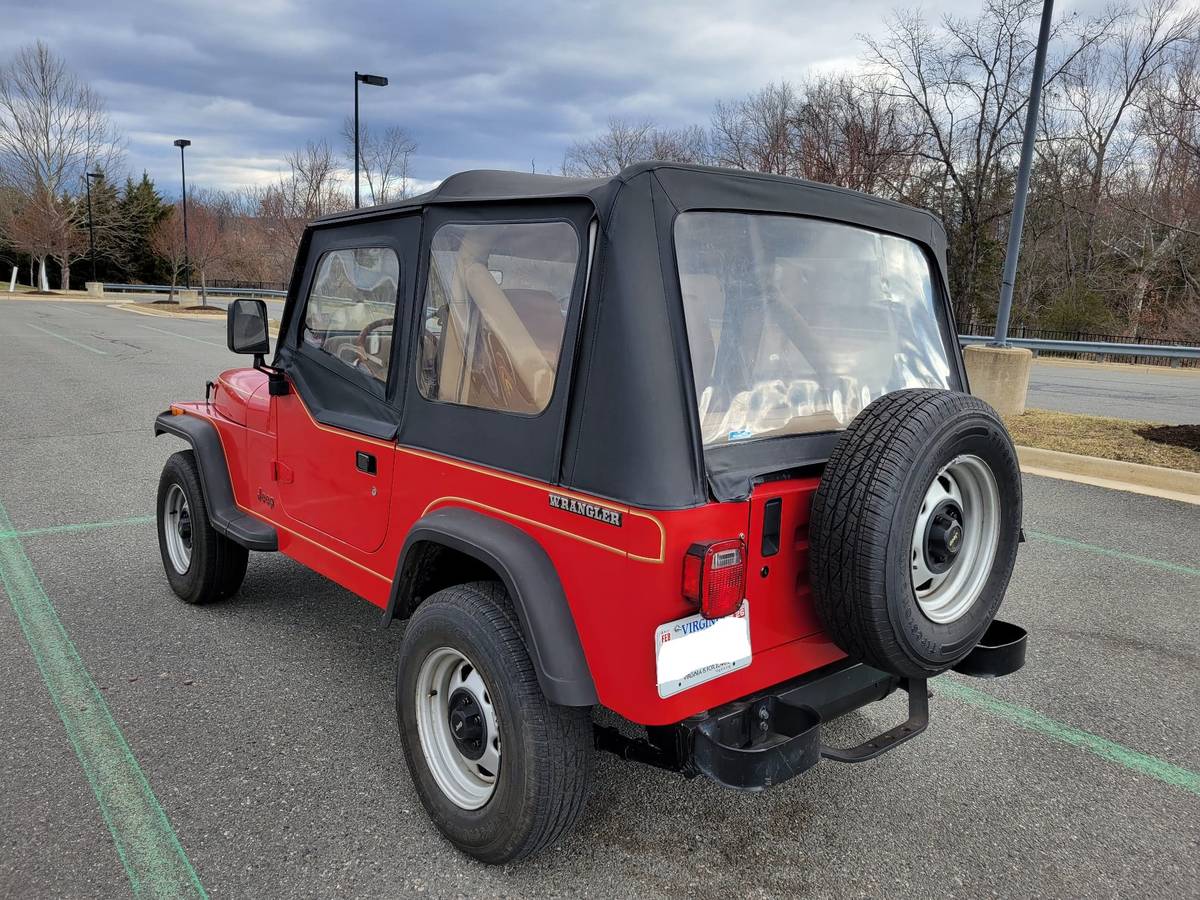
(223, 512)
(531, 581)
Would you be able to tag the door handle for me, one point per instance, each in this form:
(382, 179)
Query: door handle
(364, 462)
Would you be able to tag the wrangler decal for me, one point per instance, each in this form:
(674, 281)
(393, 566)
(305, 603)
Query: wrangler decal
(590, 510)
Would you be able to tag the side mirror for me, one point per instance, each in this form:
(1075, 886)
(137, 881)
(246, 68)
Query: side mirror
(246, 327)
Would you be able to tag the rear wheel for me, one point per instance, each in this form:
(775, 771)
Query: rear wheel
(202, 565)
(501, 771)
(914, 530)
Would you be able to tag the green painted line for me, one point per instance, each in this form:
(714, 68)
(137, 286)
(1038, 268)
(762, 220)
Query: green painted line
(83, 526)
(186, 337)
(149, 849)
(1115, 554)
(63, 337)
(1142, 763)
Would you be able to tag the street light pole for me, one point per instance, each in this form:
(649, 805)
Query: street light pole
(1021, 194)
(187, 266)
(377, 81)
(87, 180)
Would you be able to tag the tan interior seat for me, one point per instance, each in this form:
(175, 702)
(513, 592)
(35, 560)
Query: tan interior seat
(703, 303)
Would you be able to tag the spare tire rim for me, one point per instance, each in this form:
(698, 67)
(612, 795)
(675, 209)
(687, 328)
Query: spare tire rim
(456, 722)
(955, 539)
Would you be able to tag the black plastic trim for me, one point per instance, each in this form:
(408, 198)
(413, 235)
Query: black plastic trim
(1001, 651)
(223, 512)
(532, 583)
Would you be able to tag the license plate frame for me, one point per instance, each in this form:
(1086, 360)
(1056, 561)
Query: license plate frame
(693, 650)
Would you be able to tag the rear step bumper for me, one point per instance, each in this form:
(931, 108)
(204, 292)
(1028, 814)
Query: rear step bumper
(775, 735)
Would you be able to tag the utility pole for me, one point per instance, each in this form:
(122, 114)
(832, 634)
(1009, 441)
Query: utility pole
(1004, 310)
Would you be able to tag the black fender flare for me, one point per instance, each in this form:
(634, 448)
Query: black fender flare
(530, 578)
(223, 513)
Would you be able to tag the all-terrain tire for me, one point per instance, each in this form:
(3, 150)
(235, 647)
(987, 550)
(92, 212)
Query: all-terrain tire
(863, 523)
(545, 764)
(217, 565)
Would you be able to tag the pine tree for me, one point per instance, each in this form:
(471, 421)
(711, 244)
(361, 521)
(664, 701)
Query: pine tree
(141, 208)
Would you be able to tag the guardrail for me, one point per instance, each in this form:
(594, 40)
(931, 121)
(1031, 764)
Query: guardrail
(166, 288)
(1096, 348)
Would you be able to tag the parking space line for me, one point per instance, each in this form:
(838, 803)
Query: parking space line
(1142, 763)
(147, 845)
(83, 526)
(1115, 554)
(63, 337)
(178, 335)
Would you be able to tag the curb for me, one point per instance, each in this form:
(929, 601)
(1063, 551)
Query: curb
(1155, 481)
(164, 314)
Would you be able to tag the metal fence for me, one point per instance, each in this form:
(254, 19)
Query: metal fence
(1108, 347)
(219, 291)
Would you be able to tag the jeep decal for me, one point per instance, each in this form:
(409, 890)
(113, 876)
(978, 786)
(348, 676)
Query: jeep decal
(590, 510)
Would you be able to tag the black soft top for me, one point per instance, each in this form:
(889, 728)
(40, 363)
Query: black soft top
(687, 186)
(626, 426)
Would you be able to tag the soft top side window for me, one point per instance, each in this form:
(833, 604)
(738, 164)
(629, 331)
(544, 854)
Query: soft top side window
(351, 310)
(495, 313)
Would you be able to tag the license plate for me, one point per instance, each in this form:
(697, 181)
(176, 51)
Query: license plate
(693, 650)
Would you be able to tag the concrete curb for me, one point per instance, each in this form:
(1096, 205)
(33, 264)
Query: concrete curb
(57, 297)
(165, 314)
(1154, 481)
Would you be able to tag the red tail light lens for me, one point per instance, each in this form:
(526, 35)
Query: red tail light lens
(714, 577)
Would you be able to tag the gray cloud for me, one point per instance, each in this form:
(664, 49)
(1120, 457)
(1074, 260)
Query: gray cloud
(477, 84)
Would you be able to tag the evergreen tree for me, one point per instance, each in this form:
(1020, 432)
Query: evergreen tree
(141, 208)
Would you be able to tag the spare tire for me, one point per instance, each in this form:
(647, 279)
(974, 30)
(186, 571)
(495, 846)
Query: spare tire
(914, 530)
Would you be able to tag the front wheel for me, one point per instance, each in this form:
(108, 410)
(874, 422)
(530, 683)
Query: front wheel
(202, 565)
(501, 771)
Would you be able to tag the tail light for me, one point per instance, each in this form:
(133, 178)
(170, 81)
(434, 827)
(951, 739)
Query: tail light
(714, 577)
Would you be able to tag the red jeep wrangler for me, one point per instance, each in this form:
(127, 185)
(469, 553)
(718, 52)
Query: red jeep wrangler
(686, 443)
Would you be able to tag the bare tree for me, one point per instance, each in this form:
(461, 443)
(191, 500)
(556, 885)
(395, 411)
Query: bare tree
(758, 132)
(1108, 82)
(383, 157)
(968, 84)
(53, 129)
(166, 241)
(849, 132)
(207, 240)
(625, 143)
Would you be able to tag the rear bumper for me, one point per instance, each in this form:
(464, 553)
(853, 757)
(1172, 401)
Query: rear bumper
(774, 735)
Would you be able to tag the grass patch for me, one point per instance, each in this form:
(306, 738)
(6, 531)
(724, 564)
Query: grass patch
(1098, 436)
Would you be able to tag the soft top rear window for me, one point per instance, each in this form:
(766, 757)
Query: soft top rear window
(795, 324)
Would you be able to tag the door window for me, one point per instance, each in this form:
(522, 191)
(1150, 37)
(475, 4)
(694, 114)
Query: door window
(351, 311)
(495, 313)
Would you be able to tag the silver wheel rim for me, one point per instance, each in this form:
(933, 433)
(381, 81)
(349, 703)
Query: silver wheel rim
(177, 529)
(449, 685)
(947, 585)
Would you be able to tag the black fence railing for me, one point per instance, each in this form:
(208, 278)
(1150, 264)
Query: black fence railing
(249, 285)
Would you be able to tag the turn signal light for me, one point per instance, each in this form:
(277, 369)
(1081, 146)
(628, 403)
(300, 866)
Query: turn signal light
(714, 577)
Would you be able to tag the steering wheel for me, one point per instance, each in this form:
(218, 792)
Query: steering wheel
(376, 366)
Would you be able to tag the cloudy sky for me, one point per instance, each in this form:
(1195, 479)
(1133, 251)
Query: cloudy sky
(477, 84)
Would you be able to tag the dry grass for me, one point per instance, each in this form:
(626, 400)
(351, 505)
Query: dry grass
(1097, 436)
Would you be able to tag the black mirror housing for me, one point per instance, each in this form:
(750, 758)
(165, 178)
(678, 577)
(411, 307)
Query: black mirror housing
(246, 327)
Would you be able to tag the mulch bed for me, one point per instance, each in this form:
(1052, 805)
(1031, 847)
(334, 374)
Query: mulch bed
(1173, 435)
(165, 302)
(211, 310)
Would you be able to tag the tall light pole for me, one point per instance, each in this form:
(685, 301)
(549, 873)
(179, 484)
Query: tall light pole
(187, 267)
(87, 179)
(1021, 193)
(377, 81)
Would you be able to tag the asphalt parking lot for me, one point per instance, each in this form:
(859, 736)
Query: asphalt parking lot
(250, 749)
